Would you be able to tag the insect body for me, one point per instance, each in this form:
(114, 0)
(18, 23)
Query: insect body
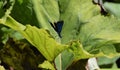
(58, 27)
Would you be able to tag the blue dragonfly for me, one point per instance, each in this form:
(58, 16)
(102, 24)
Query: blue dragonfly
(58, 27)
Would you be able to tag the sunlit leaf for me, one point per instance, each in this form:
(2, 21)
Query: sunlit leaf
(78, 51)
(46, 65)
(2, 68)
(85, 31)
(44, 42)
(40, 38)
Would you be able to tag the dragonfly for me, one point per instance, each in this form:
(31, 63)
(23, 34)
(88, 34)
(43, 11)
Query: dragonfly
(58, 27)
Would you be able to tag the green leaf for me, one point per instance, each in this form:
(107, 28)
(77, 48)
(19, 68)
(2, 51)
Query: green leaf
(47, 11)
(99, 35)
(113, 8)
(58, 62)
(44, 42)
(114, 66)
(7, 32)
(106, 60)
(78, 51)
(40, 38)
(1, 10)
(75, 13)
(2, 68)
(10, 22)
(43, 9)
(100, 31)
(96, 33)
(72, 55)
(67, 59)
(64, 60)
(23, 12)
(46, 65)
(5, 11)
(20, 1)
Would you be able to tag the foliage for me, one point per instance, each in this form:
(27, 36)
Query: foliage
(86, 33)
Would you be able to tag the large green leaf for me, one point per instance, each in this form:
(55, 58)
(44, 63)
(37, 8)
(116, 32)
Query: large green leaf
(78, 52)
(44, 42)
(75, 13)
(100, 31)
(96, 33)
(99, 35)
(47, 11)
(23, 12)
(82, 22)
(40, 38)
(113, 8)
